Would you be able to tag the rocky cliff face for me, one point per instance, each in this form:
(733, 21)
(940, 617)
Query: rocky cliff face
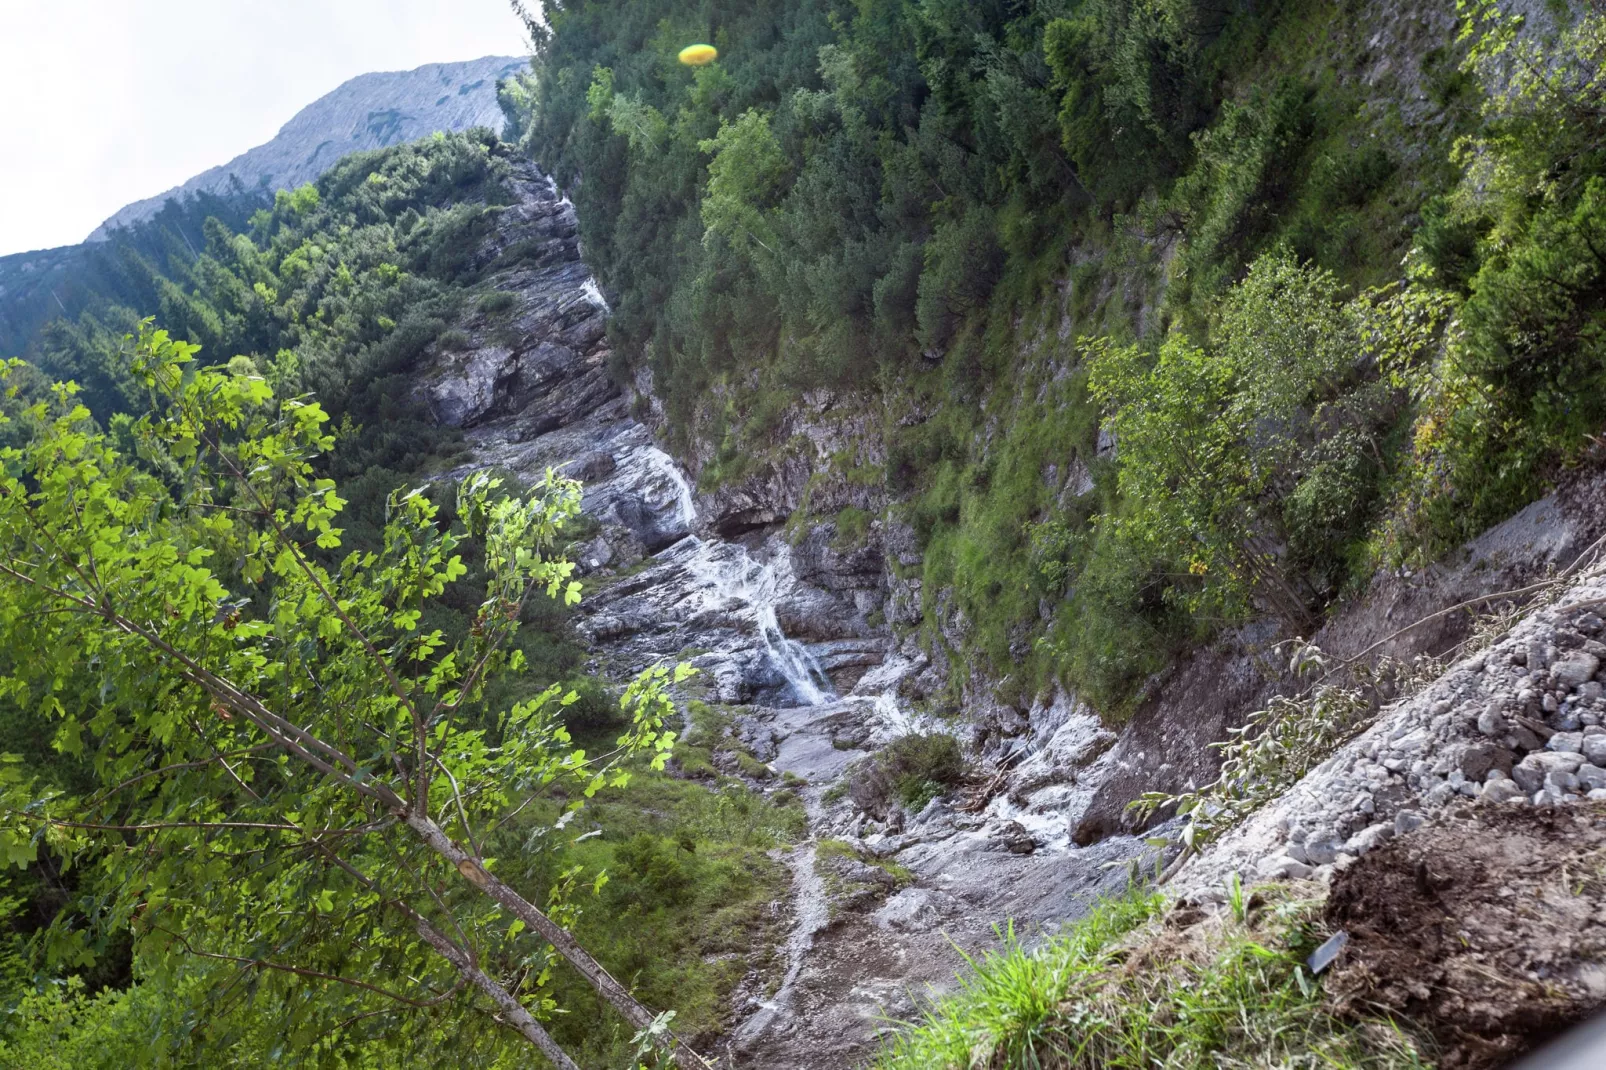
(768, 620)
(805, 633)
(368, 112)
(793, 634)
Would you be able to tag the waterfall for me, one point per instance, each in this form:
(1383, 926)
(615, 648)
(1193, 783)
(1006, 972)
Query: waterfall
(685, 504)
(803, 673)
(594, 294)
(735, 576)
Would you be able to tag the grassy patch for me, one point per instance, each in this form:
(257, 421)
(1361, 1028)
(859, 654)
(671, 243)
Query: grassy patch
(684, 914)
(752, 767)
(839, 865)
(852, 525)
(1130, 986)
(910, 771)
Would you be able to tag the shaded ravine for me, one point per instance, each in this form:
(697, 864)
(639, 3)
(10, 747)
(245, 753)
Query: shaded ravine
(531, 390)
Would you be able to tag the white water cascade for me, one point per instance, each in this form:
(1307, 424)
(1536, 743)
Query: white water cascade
(891, 718)
(594, 294)
(685, 504)
(732, 574)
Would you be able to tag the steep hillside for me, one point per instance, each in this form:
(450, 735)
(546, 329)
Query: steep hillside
(163, 235)
(433, 297)
(1079, 445)
(1008, 316)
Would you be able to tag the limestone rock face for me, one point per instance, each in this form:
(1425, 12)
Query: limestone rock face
(526, 374)
(538, 363)
(372, 111)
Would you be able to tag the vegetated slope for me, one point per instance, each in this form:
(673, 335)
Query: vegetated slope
(1113, 331)
(1448, 848)
(1044, 329)
(340, 291)
(161, 235)
(39, 288)
(1067, 262)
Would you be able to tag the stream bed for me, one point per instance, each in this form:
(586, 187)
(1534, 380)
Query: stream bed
(796, 644)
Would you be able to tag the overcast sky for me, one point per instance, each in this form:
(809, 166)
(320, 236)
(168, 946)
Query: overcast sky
(104, 102)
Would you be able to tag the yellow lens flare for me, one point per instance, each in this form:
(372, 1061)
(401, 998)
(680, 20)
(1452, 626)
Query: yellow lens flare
(698, 55)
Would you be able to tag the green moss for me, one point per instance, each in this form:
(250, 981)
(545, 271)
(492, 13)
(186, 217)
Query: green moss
(831, 848)
(752, 767)
(852, 525)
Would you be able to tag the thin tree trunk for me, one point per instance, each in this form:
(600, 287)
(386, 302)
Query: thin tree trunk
(341, 767)
(593, 971)
(299, 743)
(514, 1011)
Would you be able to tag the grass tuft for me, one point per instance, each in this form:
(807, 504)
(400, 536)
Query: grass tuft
(1133, 985)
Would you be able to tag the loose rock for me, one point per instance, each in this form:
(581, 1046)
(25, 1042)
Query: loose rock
(1575, 669)
(1530, 773)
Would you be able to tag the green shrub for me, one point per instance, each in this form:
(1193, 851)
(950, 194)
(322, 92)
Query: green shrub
(497, 302)
(911, 770)
(1518, 395)
(596, 712)
(649, 861)
(752, 767)
(454, 340)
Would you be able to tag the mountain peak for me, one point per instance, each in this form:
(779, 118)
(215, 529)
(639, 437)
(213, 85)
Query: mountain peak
(371, 111)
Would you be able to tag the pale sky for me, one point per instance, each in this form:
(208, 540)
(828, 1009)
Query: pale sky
(105, 102)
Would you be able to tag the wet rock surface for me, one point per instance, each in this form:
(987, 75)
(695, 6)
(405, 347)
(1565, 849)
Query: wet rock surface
(795, 633)
(781, 631)
(910, 895)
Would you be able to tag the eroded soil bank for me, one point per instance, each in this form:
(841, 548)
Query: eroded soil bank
(1487, 929)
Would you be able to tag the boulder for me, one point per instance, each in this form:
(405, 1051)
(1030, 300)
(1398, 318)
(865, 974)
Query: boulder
(1283, 867)
(1594, 748)
(1566, 743)
(1530, 773)
(915, 910)
(1479, 758)
(1575, 669)
(1014, 838)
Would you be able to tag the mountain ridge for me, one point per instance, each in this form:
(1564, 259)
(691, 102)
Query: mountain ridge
(371, 111)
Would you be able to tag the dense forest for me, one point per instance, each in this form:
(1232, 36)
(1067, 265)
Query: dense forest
(331, 293)
(905, 198)
(1293, 324)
